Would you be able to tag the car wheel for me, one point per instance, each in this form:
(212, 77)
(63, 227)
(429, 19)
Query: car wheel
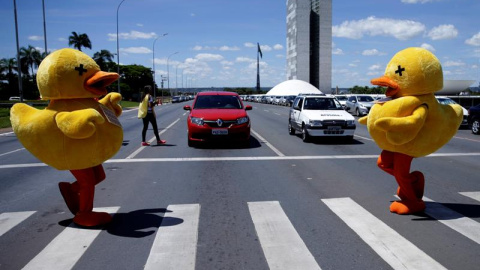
(476, 127)
(291, 130)
(305, 136)
(358, 112)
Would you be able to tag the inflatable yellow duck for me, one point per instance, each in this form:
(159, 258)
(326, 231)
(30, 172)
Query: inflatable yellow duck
(410, 122)
(75, 132)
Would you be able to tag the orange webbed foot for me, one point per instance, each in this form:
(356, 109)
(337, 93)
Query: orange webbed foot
(405, 207)
(70, 196)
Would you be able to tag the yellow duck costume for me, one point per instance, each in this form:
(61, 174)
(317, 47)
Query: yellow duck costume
(410, 122)
(75, 132)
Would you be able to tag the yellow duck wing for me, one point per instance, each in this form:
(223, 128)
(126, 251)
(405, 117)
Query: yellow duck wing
(111, 101)
(79, 124)
(400, 130)
(363, 120)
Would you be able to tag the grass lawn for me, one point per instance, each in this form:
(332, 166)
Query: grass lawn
(5, 112)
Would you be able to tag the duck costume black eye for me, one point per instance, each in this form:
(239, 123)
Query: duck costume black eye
(399, 70)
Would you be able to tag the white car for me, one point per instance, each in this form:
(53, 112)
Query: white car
(359, 104)
(320, 115)
(446, 101)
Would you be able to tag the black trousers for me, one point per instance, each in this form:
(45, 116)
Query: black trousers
(150, 118)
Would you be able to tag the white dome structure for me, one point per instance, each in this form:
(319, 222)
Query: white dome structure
(293, 88)
(453, 87)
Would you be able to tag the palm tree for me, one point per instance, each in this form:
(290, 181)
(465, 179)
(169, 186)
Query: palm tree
(79, 41)
(102, 58)
(8, 66)
(30, 58)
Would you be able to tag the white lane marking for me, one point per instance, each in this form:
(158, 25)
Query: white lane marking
(10, 220)
(67, 248)
(267, 143)
(365, 138)
(281, 244)
(463, 225)
(7, 134)
(175, 247)
(398, 252)
(136, 152)
(264, 158)
(12, 152)
(474, 195)
(468, 139)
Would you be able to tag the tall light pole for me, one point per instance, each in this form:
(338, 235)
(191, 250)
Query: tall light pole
(44, 27)
(19, 70)
(118, 51)
(168, 72)
(154, 87)
(176, 77)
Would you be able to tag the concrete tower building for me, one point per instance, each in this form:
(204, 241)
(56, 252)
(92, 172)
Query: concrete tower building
(309, 42)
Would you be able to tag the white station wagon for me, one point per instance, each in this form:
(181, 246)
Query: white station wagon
(320, 115)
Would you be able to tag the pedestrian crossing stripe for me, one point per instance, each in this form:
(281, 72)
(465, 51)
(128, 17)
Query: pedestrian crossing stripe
(67, 248)
(281, 244)
(474, 195)
(175, 247)
(397, 251)
(10, 220)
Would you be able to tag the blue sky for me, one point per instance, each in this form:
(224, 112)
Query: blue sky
(216, 39)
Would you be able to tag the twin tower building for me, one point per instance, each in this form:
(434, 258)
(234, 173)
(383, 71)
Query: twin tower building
(309, 42)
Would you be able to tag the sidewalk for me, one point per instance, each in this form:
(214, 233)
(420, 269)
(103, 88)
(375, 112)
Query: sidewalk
(5, 130)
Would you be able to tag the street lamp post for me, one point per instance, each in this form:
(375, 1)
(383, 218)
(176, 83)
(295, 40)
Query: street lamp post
(168, 72)
(154, 87)
(20, 88)
(118, 51)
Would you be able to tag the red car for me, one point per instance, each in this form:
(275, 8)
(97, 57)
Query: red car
(218, 116)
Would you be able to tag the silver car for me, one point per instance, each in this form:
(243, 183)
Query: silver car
(359, 104)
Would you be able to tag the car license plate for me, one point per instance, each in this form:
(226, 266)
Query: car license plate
(334, 128)
(219, 131)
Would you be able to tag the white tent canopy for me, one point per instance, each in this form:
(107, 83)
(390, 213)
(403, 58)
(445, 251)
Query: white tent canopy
(293, 88)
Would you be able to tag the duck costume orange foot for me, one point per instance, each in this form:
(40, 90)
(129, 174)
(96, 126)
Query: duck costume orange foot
(75, 132)
(410, 123)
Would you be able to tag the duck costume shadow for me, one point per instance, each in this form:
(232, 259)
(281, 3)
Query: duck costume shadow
(410, 123)
(75, 132)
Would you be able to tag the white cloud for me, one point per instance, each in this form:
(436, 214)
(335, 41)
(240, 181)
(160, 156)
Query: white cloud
(249, 45)
(35, 38)
(418, 1)
(265, 48)
(372, 52)
(208, 57)
(197, 48)
(140, 50)
(372, 26)
(453, 64)
(277, 47)
(139, 25)
(337, 51)
(226, 63)
(132, 35)
(474, 41)
(62, 39)
(444, 31)
(374, 67)
(428, 47)
(227, 48)
(244, 59)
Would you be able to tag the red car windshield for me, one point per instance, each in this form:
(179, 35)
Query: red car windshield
(217, 102)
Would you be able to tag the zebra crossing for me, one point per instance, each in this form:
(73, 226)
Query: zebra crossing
(175, 247)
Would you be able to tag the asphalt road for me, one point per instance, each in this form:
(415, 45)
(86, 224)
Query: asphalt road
(277, 204)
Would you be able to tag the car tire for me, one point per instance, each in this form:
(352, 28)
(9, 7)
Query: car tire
(476, 127)
(291, 130)
(305, 136)
(190, 143)
(358, 112)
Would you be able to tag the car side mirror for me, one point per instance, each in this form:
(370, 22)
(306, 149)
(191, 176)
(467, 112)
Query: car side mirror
(187, 108)
(248, 108)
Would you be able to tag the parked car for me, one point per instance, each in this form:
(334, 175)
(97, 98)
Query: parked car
(218, 116)
(288, 101)
(320, 115)
(359, 104)
(474, 119)
(446, 101)
(175, 99)
(342, 99)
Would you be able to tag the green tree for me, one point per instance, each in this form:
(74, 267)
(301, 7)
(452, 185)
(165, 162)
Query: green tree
(103, 59)
(79, 41)
(30, 58)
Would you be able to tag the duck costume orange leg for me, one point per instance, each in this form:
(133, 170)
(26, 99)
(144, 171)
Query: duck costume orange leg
(410, 123)
(75, 132)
